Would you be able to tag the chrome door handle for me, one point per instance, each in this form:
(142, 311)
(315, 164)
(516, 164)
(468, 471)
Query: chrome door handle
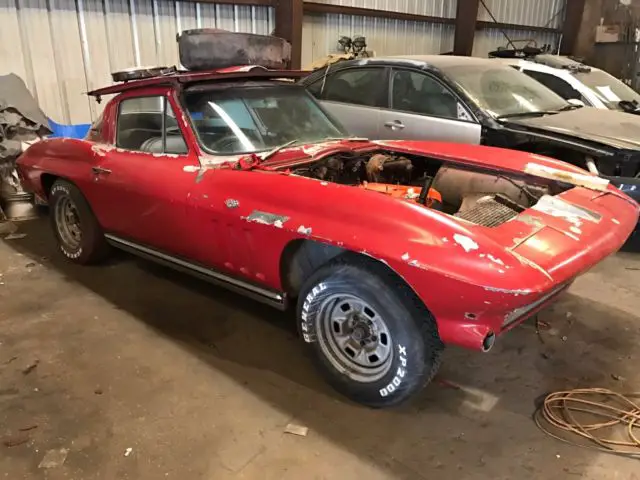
(99, 170)
(395, 125)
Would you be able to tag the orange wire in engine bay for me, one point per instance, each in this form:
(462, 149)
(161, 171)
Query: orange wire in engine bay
(405, 192)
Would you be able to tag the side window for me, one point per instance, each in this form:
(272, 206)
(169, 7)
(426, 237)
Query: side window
(358, 86)
(148, 124)
(556, 84)
(422, 94)
(95, 131)
(317, 87)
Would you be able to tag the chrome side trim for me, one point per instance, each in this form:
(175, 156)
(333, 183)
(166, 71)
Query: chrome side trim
(518, 313)
(258, 293)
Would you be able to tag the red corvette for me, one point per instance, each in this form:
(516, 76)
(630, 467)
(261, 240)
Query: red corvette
(390, 250)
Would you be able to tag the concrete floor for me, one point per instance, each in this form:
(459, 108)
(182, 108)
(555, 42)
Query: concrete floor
(200, 383)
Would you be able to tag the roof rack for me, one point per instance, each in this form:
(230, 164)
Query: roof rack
(530, 50)
(184, 78)
(559, 61)
(543, 56)
(139, 73)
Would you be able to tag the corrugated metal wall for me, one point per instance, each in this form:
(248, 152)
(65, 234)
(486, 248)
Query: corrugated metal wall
(320, 33)
(433, 8)
(391, 37)
(539, 13)
(536, 13)
(62, 48)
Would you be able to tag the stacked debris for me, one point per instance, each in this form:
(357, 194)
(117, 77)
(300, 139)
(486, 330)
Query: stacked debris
(349, 50)
(22, 123)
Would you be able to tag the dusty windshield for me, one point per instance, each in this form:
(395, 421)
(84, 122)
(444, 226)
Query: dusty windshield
(608, 88)
(253, 119)
(504, 91)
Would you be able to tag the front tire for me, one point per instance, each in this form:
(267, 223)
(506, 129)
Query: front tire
(372, 339)
(79, 235)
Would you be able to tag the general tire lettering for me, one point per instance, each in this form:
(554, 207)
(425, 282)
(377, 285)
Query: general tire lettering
(310, 307)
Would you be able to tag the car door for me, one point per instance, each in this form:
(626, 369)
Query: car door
(141, 187)
(423, 108)
(354, 96)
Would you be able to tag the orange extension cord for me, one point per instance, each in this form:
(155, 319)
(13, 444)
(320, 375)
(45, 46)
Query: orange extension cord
(556, 416)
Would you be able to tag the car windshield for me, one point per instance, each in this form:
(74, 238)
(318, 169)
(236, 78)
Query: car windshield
(254, 119)
(504, 91)
(608, 88)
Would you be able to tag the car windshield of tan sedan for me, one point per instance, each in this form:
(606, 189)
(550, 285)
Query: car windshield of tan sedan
(505, 92)
(254, 119)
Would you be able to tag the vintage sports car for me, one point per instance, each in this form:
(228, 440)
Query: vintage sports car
(389, 250)
(477, 101)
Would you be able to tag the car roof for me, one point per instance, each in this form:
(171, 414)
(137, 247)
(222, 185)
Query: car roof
(546, 62)
(247, 72)
(438, 61)
(531, 65)
(510, 61)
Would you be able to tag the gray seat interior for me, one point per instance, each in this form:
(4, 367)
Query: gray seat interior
(175, 145)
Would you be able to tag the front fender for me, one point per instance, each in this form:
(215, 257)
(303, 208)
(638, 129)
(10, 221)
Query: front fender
(423, 246)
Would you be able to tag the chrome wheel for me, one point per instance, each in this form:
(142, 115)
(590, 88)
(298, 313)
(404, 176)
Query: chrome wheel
(354, 338)
(68, 223)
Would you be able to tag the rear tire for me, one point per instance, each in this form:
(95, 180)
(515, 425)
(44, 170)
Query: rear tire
(78, 233)
(372, 339)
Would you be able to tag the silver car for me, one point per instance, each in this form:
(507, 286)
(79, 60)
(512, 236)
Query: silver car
(480, 101)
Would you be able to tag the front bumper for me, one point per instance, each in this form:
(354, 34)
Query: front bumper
(473, 334)
(520, 314)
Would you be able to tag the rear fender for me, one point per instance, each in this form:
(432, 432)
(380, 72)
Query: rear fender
(66, 158)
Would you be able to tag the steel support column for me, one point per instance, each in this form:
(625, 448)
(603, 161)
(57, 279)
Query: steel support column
(571, 27)
(289, 26)
(466, 23)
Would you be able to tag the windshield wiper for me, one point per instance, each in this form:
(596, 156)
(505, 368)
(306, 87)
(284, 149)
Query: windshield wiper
(570, 106)
(629, 106)
(345, 139)
(275, 150)
(525, 114)
(540, 113)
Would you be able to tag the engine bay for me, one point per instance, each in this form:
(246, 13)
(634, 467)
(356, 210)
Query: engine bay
(477, 196)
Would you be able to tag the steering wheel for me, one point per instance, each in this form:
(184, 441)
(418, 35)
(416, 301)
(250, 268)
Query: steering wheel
(231, 144)
(227, 144)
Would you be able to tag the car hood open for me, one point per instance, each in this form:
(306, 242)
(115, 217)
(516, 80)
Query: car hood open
(606, 127)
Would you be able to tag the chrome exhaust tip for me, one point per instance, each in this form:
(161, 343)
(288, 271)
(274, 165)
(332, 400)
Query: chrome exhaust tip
(488, 342)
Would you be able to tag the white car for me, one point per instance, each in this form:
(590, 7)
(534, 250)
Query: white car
(575, 81)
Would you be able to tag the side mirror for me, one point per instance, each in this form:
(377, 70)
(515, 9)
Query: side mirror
(576, 102)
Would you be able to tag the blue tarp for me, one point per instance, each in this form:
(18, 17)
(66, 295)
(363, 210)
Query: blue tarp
(69, 131)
